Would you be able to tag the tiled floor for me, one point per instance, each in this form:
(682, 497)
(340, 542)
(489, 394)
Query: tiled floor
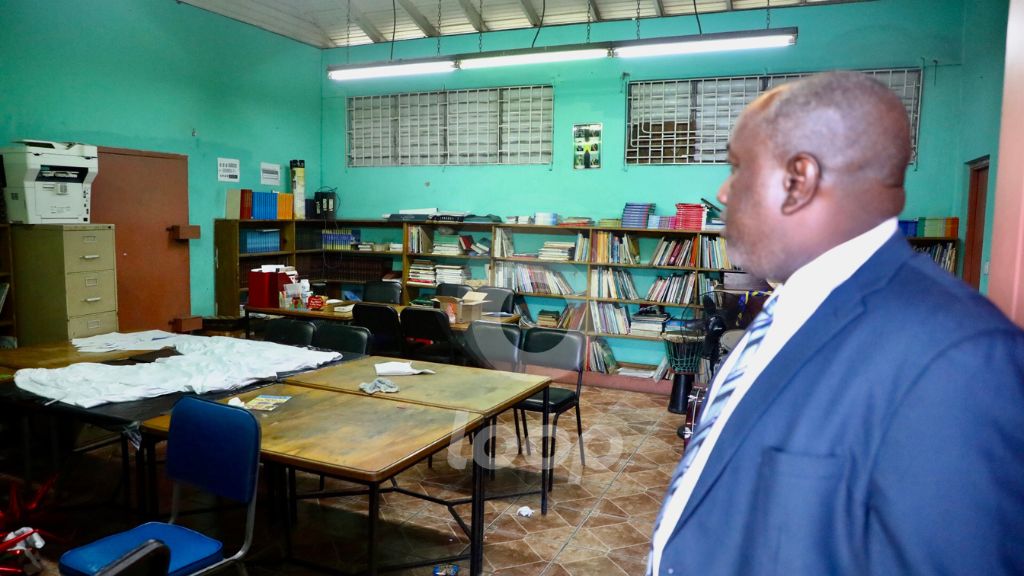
(599, 521)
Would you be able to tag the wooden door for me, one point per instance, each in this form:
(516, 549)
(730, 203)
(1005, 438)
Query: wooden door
(143, 194)
(977, 198)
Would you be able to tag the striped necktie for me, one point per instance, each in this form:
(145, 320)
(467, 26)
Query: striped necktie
(755, 336)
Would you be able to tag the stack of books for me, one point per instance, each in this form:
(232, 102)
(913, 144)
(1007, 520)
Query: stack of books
(545, 219)
(548, 318)
(421, 273)
(690, 216)
(447, 245)
(577, 221)
(648, 324)
(394, 246)
(931, 227)
(451, 274)
(481, 247)
(635, 214)
(557, 251)
(610, 223)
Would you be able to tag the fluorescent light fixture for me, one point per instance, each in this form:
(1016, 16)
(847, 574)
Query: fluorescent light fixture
(387, 70)
(777, 38)
(531, 57)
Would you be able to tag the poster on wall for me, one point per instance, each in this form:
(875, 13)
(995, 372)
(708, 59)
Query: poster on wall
(586, 140)
(270, 174)
(228, 169)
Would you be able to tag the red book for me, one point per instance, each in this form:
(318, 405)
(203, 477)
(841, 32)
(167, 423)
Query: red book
(246, 204)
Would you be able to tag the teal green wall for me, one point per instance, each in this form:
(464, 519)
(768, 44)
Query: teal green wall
(144, 75)
(885, 33)
(981, 96)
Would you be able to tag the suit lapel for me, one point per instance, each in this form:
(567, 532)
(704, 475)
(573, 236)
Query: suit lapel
(844, 304)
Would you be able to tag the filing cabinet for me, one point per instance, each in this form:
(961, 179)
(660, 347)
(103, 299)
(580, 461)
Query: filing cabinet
(66, 281)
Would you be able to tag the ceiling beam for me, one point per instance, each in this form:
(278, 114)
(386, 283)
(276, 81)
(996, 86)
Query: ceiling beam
(365, 25)
(594, 11)
(531, 12)
(659, 8)
(421, 21)
(474, 17)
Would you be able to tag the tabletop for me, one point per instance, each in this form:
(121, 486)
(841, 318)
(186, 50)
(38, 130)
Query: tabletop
(347, 316)
(57, 355)
(486, 392)
(345, 435)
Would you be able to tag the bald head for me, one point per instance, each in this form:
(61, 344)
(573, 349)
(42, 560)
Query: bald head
(815, 163)
(856, 127)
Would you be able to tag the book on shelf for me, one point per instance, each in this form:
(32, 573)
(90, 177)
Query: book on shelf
(531, 278)
(609, 317)
(648, 324)
(558, 251)
(612, 248)
(600, 357)
(503, 246)
(422, 273)
(420, 240)
(481, 247)
(5, 287)
(675, 289)
(612, 283)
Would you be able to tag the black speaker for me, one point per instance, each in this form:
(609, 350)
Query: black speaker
(325, 205)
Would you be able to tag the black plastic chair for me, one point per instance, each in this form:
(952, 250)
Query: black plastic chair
(498, 299)
(342, 338)
(490, 344)
(383, 292)
(382, 322)
(433, 325)
(289, 331)
(151, 558)
(561, 349)
(453, 290)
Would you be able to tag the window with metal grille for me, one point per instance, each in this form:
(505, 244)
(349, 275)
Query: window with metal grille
(689, 121)
(453, 127)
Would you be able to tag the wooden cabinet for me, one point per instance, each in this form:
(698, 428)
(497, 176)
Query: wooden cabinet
(8, 318)
(67, 280)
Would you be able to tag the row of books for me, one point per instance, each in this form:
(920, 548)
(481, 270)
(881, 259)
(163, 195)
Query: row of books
(531, 278)
(612, 283)
(713, 253)
(676, 289)
(336, 239)
(943, 253)
(246, 204)
(600, 357)
(931, 227)
(503, 246)
(647, 324)
(609, 317)
(557, 251)
(674, 252)
(615, 249)
(255, 241)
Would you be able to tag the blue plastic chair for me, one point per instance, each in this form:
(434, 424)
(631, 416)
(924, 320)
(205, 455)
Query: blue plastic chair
(214, 447)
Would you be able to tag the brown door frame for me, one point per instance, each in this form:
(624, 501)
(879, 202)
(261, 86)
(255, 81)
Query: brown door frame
(977, 202)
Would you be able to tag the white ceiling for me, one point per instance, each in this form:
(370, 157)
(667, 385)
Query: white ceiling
(322, 23)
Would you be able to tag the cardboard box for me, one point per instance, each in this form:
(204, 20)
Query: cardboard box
(463, 310)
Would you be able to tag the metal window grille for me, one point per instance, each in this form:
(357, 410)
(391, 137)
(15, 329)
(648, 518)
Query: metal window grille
(456, 127)
(689, 121)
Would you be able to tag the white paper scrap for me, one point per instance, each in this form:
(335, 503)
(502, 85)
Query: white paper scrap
(398, 369)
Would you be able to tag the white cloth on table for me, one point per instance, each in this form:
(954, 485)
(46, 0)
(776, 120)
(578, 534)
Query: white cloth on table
(145, 340)
(205, 365)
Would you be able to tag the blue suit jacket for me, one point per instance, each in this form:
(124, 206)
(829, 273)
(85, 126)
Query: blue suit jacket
(886, 437)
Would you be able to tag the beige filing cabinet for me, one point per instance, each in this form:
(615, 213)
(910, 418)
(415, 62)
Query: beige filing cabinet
(65, 280)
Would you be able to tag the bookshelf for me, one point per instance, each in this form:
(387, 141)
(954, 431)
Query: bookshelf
(943, 250)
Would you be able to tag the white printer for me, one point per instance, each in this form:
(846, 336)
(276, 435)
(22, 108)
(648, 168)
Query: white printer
(48, 182)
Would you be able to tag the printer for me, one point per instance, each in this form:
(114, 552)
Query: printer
(48, 182)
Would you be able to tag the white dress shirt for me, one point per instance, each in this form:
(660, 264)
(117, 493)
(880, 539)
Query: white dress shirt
(796, 301)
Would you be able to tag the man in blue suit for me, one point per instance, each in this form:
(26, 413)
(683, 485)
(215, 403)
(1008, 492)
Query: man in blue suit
(872, 419)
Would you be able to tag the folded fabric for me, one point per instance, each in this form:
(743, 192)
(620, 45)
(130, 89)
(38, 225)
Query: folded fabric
(145, 340)
(398, 369)
(378, 385)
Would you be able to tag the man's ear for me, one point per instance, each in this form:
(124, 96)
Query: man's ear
(803, 174)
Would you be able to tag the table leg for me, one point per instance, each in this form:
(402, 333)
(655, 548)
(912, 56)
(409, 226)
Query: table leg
(153, 492)
(545, 461)
(126, 472)
(26, 449)
(248, 326)
(476, 539)
(371, 529)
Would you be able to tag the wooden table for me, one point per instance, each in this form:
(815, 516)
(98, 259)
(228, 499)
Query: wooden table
(347, 316)
(57, 355)
(485, 392)
(357, 438)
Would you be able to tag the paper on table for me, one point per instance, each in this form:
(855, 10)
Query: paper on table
(344, 309)
(398, 369)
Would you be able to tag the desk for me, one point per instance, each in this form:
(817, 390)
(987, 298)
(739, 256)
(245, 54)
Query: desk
(57, 355)
(359, 438)
(485, 392)
(347, 316)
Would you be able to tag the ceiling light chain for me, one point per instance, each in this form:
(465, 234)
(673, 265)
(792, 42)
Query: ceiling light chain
(637, 19)
(768, 16)
(696, 15)
(438, 27)
(480, 35)
(348, 30)
(589, 7)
